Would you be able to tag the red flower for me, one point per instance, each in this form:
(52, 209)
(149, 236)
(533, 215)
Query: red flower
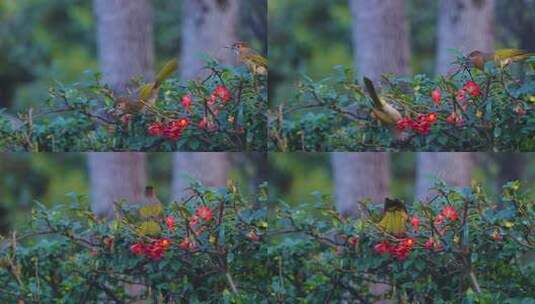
(439, 219)
(461, 95)
(520, 111)
(436, 96)
(472, 88)
(400, 252)
(203, 124)
(155, 251)
(193, 221)
(415, 222)
(187, 244)
(353, 241)
(404, 123)
(155, 129)
(251, 235)
(431, 117)
(382, 247)
(170, 222)
(223, 93)
(205, 213)
(183, 123)
(432, 244)
(164, 243)
(137, 248)
(213, 99)
(186, 101)
(455, 119)
(450, 213)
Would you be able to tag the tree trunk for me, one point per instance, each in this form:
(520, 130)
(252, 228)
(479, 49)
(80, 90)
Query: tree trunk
(380, 37)
(358, 176)
(115, 176)
(464, 25)
(208, 27)
(210, 168)
(125, 41)
(454, 168)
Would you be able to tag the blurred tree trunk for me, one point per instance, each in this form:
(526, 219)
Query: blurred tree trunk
(465, 25)
(380, 37)
(125, 40)
(115, 176)
(454, 168)
(210, 168)
(358, 176)
(208, 26)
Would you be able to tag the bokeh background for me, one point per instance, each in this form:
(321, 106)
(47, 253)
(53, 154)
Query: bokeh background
(52, 178)
(44, 42)
(311, 37)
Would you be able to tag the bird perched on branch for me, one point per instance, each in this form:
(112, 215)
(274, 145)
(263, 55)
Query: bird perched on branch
(502, 57)
(150, 213)
(381, 110)
(147, 93)
(395, 217)
(256, 63)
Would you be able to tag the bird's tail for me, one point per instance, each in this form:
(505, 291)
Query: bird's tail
(373, 93)
(169, 68)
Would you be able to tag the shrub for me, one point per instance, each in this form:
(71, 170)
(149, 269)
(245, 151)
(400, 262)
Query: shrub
(225, 111)
(472, 110)
(215, 247)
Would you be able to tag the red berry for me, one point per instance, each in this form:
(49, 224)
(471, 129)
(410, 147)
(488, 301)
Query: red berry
(382, 247)
(137, 248)
(415, 222)
(436, 96)
(155, 129)
(186, 101)
(170, 222)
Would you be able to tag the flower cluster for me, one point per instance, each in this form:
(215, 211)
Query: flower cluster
(421, 125)
(401, 249)
(172, 130)
(220, 93)
(155, 250)
(448, 213)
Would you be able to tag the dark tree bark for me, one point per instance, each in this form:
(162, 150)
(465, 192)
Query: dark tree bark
(380, 37)
(125, 40)
(210, 168)
(454, 168)
(208, 26)
(115, 176)
(358, 176)
(465, 25)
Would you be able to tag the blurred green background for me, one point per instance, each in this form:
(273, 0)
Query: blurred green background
(50, 177)
(44, 41)
(295, 177)
(312, 36)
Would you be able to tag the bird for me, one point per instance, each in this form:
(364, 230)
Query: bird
(147, 93)
(151, 213)
(395, 216)
(381, 110)
(503, 57)
(256, 63)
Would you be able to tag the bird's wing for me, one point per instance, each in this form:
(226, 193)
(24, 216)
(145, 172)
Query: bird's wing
(510, 53)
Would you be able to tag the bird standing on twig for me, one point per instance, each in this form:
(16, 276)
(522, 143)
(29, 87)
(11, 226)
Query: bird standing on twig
(502, 57)
(256, 63)
(381, 110)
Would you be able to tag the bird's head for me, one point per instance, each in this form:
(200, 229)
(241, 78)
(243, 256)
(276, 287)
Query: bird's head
(239, 47)
(476, 59)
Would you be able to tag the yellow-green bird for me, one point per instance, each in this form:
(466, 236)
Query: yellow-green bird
(256, 63)
(151, 213)
(381, 110)
(395, 217)
(147, 93)
(502, 57)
